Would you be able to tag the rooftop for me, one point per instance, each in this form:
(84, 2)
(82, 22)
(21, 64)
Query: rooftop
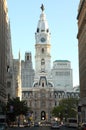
(61, 61)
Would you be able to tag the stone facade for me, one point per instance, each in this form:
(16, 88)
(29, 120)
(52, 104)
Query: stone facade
(27, 71)
(62, 75)
(82, 56)
(42, 101)
(5, 51)
(17, 77)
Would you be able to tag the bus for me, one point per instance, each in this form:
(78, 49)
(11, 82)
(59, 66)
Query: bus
(72, 122)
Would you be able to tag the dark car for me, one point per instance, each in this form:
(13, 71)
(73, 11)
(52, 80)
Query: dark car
(55, 125)
(83, 126)
(36, 124)
(3, 126)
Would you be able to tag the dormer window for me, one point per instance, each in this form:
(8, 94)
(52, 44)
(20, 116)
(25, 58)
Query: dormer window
(27, 57)
(42, 84)
(37, 29)
(47, 30)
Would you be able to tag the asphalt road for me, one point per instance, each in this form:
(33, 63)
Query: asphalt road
(40, 128)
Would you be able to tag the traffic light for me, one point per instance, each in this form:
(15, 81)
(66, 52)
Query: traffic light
(43, 115)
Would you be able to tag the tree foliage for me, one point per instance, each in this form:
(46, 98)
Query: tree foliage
(67, 108)
(15, 107)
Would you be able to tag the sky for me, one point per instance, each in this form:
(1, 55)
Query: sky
(63, 25)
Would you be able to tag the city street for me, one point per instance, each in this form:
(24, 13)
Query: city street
(40, 128)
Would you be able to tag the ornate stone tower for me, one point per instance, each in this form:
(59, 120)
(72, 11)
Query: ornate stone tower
(19, 88)
(82, 55)
(42, 87)
(27, 71)
(42, 46)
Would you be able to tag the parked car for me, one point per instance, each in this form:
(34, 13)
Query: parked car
(55, 125)
(3, 126)
(36, 124)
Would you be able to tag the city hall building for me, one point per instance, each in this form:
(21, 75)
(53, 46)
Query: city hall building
(45, 86)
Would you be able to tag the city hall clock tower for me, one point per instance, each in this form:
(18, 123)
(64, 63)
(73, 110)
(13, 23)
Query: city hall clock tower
(42, 46)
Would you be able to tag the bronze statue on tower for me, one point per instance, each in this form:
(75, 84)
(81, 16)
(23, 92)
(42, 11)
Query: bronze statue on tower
(42, 7)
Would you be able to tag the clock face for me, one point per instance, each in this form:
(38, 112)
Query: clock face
(43, 39)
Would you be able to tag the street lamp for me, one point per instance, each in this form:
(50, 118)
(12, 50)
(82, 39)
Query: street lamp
(66, 112)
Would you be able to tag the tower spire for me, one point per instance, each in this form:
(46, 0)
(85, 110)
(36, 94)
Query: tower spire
(42, 23)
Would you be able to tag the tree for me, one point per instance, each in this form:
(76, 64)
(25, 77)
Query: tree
(15, 107)
(58, 112)
(2, 108)
(67, 108)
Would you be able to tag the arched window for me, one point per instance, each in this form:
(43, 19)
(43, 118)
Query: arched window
(42, 50)
(47, 30)
(42, 62)
(8, 68)
(27, 57)
(37, 29)
(55, 95)
(42, 84)
(8, 84)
